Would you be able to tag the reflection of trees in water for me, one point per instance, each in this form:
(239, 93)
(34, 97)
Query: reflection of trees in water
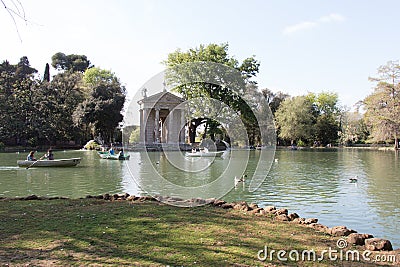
(383, 170)
(306, 173)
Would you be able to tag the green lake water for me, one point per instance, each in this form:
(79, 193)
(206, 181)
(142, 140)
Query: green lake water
(312, 183)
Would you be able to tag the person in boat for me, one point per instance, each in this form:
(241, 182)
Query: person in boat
(49, 155)
(121, 154)
(31, 156)
(111, 151)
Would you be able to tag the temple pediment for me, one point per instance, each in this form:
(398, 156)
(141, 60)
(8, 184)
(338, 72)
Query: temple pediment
(161, 99)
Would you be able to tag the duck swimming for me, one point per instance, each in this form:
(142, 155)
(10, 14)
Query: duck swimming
(354, 179)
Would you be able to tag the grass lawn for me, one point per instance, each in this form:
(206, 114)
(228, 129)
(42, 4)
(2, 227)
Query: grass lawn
(95, 232)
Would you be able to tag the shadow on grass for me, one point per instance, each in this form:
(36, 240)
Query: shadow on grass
(88, 231)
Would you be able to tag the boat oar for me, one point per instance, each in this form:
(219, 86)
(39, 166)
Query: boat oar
(35, 162)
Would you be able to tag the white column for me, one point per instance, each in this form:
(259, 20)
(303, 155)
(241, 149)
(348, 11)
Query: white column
(141, 125)
(182, 127)
(145, 117)
(170, 127)
(157, 126)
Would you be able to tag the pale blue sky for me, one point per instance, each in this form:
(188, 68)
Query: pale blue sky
(303, 46)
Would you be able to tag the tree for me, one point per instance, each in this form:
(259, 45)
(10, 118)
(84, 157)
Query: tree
(46, 76)
(326, 112)
(353, 128)
(24, 69)
(383, 105)
(295, 120)
(100, 112)
(274, 100)
(16, 96)
(214, 82)
(74, 63)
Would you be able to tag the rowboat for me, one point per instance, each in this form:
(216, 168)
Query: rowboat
(50, 163)
(106, 155)
(205, 154)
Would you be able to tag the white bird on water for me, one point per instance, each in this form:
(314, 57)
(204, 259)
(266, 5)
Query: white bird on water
(241, 179)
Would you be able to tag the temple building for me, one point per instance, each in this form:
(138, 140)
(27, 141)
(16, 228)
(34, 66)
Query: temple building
(162, 120)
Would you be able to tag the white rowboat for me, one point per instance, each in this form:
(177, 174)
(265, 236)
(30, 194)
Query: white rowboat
(205, 154)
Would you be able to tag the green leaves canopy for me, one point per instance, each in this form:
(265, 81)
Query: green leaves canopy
(383, 105)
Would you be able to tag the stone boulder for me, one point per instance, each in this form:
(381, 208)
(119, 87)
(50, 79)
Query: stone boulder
(357, 239)
(340, 231)
(253, 206)
(270, 209)
(257, 210)
(299, 220)
(281, 211)
(282, 218)
(227, 206)
(262, 211)
(378, 244)
(293, 216)
(243, 206)
(310, 220)
(319, 227)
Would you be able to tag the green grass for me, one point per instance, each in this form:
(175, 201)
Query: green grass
(122, 233)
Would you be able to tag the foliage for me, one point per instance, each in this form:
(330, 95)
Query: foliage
(73, 63)
(314, 118)
(135, 136)
(294, 119)
(274, 100)
(205, 80)
(353, 130)
(40, 112)
(383, 105)
(46, 76)
(95, 75)
(101, 110)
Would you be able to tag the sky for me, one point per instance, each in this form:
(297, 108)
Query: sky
(303, 46)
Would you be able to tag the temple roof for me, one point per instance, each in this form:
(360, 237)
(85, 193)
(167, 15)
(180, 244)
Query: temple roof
(161, 98)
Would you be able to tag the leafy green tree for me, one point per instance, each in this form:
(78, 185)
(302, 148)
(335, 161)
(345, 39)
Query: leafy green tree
(100, 112)
(383, 105)
(73, 63)
(95, 75)
(63, 96)
(353, 128)
(16, 95)
(24, 69)
(135, 136)
(274, 100)
(230, 92)
(326, 112)
(295, 120)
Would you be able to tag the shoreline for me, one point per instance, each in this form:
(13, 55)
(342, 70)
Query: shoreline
(186, 147)
(126, 230)
(280, 214)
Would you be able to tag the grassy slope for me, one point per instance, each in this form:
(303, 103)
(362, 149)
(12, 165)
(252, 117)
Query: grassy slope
(99, 233)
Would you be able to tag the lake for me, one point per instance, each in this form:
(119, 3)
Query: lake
(312, 183)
